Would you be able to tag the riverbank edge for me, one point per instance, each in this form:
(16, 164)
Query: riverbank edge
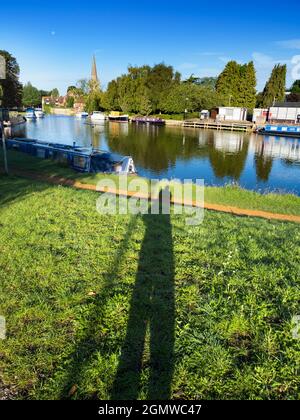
(228, 196)
(236, 211)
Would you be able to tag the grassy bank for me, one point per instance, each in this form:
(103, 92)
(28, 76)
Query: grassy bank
(229, 195)
(101, 306)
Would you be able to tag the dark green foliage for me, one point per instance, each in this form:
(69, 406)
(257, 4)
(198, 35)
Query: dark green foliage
(296, 87)
(142, 90)
(202, 81)
(12, 88)
(54, 93)
(70, 102)
(237, 85)
(190, 97)
(31, 96)
(93, 101)
(274, 90)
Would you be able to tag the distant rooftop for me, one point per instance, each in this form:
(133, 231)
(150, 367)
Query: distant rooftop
(287, 105)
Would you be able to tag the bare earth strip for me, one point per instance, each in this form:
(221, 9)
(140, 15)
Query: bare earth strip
(208, 206)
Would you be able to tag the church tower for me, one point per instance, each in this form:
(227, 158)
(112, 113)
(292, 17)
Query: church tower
(94, 73)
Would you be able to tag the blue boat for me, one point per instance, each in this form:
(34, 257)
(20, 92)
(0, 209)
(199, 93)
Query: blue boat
(282, 130)
(81, 159)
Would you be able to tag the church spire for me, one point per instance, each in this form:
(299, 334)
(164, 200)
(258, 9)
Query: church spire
(94, 70)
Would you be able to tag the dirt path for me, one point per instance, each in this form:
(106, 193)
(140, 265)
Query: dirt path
(208, 206)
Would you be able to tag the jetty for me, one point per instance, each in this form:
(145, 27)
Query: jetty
(244, 126)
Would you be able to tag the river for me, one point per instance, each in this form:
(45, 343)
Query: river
(255, 162)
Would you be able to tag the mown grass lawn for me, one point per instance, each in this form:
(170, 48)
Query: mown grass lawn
(101, 306)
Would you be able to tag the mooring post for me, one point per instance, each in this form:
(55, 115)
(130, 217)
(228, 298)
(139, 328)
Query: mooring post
(4, 147)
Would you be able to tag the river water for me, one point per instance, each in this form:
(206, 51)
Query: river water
(255, 162)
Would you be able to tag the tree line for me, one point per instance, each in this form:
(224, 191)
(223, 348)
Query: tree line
(158, 89)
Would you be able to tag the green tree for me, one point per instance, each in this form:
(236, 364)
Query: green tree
(54, 93)
(93, 101)
(228, 83)
(83, 85)
(191, 97)
(237, 85)
(12, 88)
(45, 93)
(275, 87)
(145, 106)
(70, 102)
(111, 97)
(31, 96)
(202, 81)
(296, 86)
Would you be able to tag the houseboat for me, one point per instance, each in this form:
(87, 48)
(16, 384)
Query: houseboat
(118, 117)
(280, 130)
(81, 159)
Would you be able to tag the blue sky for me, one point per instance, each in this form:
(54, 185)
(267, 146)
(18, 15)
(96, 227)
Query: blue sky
(54, 41)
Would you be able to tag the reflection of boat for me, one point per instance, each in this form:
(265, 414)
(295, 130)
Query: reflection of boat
(118, 117)
(81, 159)
(82, 115)
(30, 114)
(148, 120)
(281, 147)
(282, 130)
(39, 113)
(117, 129)
(97, 117)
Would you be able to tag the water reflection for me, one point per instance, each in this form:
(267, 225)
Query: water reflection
(253, 161)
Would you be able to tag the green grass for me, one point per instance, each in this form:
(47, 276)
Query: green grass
(229, 195)
(101, 306)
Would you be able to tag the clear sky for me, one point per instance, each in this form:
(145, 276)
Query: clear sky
(54, 41)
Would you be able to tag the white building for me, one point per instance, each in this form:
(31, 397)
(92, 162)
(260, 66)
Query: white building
(286, 112)
(229, 114)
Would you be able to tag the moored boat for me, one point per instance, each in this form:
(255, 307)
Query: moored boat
(82, 115)
(97, 117)
(81, 159)
(30, 114)
(280, 130)
(148, 120)
(39, 113)
(118, 117)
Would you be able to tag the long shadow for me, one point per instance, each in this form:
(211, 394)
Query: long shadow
(152, 305)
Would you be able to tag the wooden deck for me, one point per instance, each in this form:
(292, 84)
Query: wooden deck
(220, 125)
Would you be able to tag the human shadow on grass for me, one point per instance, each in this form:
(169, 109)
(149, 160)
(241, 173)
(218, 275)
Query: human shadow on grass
(152, 306)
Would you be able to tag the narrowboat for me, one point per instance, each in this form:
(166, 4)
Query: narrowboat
(148, 120)
(81, 159)
(280, 130)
